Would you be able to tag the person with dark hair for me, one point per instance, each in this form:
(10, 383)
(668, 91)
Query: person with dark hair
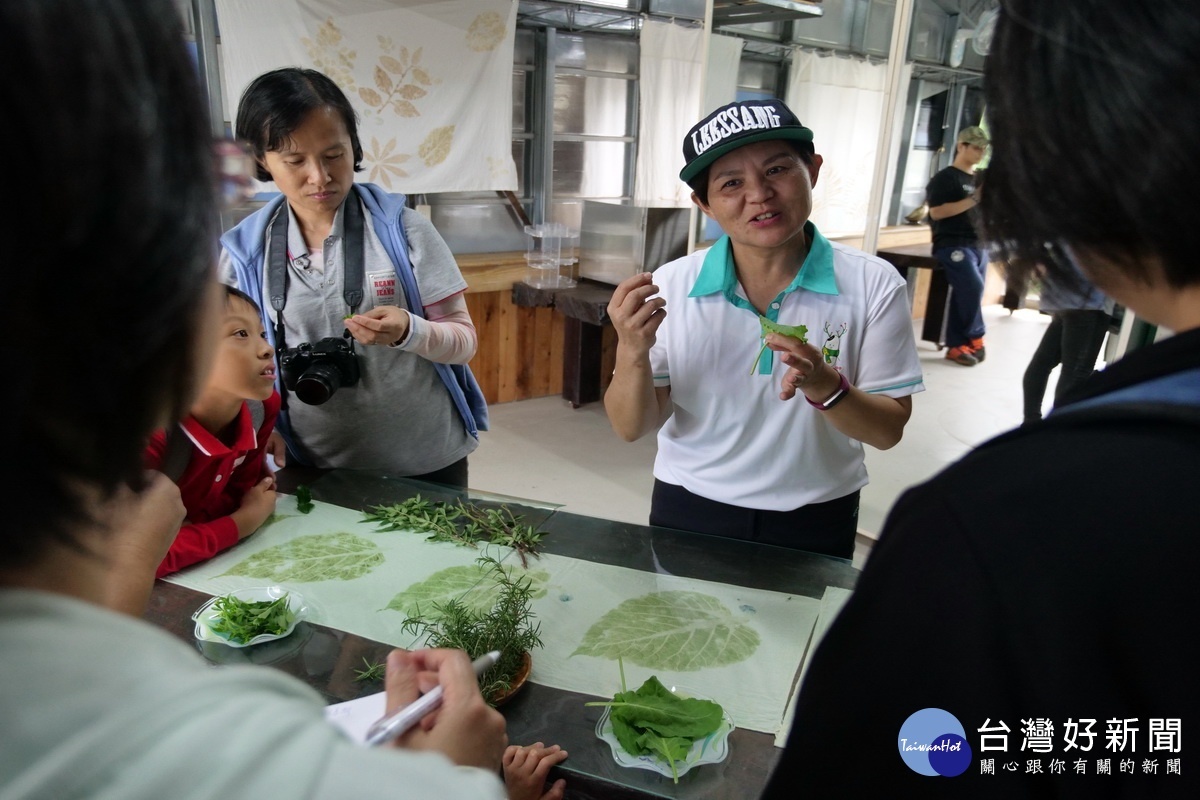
(952, 195)
(735, 458)
(1021, 628)
(97, 703)
(217, 456)
(364, 301)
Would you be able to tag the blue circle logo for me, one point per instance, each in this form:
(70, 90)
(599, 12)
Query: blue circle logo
(933, 742)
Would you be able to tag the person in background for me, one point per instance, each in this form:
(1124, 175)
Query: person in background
(372, 324)
(751, 446)
(1026, 610)
(952, 195)
(97, 703)
(217, 455)
(1079, 318)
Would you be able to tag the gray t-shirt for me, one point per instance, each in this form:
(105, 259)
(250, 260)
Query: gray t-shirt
(104, 706)
(399, 417)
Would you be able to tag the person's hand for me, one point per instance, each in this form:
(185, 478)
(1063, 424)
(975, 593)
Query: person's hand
(465, 728)
(277, 449)
(258, 503)
(147, 522)
(381, 325)
(142, 528)
(636, 312)
(807, 370)
(526, 769)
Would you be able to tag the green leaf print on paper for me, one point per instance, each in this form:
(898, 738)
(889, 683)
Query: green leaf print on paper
(470, 585)
(679, 631)
(318, 557)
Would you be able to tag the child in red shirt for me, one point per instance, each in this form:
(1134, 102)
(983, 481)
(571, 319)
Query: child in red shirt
(226, 485)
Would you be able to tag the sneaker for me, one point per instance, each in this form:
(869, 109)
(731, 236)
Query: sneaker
(977, 349)
(962, 355)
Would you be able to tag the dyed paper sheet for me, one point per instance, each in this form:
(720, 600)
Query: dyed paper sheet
(739, 646)
(431, 80)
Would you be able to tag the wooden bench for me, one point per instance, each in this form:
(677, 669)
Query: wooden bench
(586, 328)
(920, 256)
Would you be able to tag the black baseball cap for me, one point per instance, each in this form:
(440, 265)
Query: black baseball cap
(735, 125)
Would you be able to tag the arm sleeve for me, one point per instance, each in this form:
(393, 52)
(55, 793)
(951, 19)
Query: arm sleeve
(888, 362)
(436, 270)
(447, 335)
(196, 543)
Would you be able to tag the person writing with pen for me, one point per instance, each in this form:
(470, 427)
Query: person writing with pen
(95, 701)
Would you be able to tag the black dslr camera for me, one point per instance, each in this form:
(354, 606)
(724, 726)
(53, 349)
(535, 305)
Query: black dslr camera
(315, 370)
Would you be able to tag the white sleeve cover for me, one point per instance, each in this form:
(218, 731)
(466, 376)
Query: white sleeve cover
(446, 336)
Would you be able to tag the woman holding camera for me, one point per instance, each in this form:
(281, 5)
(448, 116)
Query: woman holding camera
(361, 298)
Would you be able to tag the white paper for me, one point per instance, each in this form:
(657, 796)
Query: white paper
(355, 717)
(831, 605)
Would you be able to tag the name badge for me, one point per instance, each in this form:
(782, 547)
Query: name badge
(382, 286)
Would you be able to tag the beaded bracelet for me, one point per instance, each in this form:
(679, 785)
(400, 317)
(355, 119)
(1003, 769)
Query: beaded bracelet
(835, 398)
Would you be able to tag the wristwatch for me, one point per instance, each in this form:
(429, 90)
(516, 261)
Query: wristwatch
(833, 399)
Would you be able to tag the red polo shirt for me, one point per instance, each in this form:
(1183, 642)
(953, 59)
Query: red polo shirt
(212, 485)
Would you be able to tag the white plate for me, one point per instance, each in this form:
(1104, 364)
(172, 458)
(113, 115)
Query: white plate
(206, 615)
(711, 749)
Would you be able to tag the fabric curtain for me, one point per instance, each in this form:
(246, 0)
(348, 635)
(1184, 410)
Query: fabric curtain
(841, 101)
(670, 77)
(431, 81)
(721, 72)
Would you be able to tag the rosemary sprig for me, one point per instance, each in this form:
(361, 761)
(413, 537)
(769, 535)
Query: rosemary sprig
(509, 626)
(373, 672)
(461, 523)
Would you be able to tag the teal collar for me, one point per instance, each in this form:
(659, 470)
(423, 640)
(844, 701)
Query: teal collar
(717, 274)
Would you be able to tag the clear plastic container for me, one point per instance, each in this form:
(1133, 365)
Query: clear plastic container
(551, 247)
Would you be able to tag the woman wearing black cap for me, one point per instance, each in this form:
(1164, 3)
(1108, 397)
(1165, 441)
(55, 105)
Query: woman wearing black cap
(735, 457)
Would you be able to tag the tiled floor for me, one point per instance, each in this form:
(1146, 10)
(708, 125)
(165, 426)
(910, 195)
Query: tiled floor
(544, 449)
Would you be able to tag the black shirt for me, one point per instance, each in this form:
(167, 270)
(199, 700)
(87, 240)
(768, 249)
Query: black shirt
(949, 186)
(1050, 574)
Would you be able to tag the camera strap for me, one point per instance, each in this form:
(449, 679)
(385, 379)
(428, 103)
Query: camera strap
(353, 268)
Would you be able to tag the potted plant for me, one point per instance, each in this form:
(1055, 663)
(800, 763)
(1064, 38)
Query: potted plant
(508, 626)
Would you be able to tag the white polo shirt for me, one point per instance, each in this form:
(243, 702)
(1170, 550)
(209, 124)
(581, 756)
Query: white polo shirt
(730, 437)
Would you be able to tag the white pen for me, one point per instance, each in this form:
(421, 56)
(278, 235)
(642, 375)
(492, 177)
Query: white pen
(388, 728)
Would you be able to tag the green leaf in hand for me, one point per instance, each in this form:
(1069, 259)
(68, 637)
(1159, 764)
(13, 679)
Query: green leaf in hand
(768, 327)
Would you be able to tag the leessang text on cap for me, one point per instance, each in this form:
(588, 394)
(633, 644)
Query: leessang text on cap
(731, 121)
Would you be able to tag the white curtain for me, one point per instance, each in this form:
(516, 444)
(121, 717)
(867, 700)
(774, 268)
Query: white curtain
(431, 80)
(670, 77)
(841, 101)
(721, 72)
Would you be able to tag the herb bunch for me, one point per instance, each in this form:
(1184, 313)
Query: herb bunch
(652, 720)
(508, 626)
(461, 523)
(242, 620)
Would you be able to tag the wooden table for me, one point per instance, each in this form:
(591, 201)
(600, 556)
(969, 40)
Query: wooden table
(920, 256)
(327, 659)
(585, 311)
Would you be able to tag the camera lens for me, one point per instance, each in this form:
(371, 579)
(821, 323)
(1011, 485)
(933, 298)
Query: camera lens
(318, 383)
